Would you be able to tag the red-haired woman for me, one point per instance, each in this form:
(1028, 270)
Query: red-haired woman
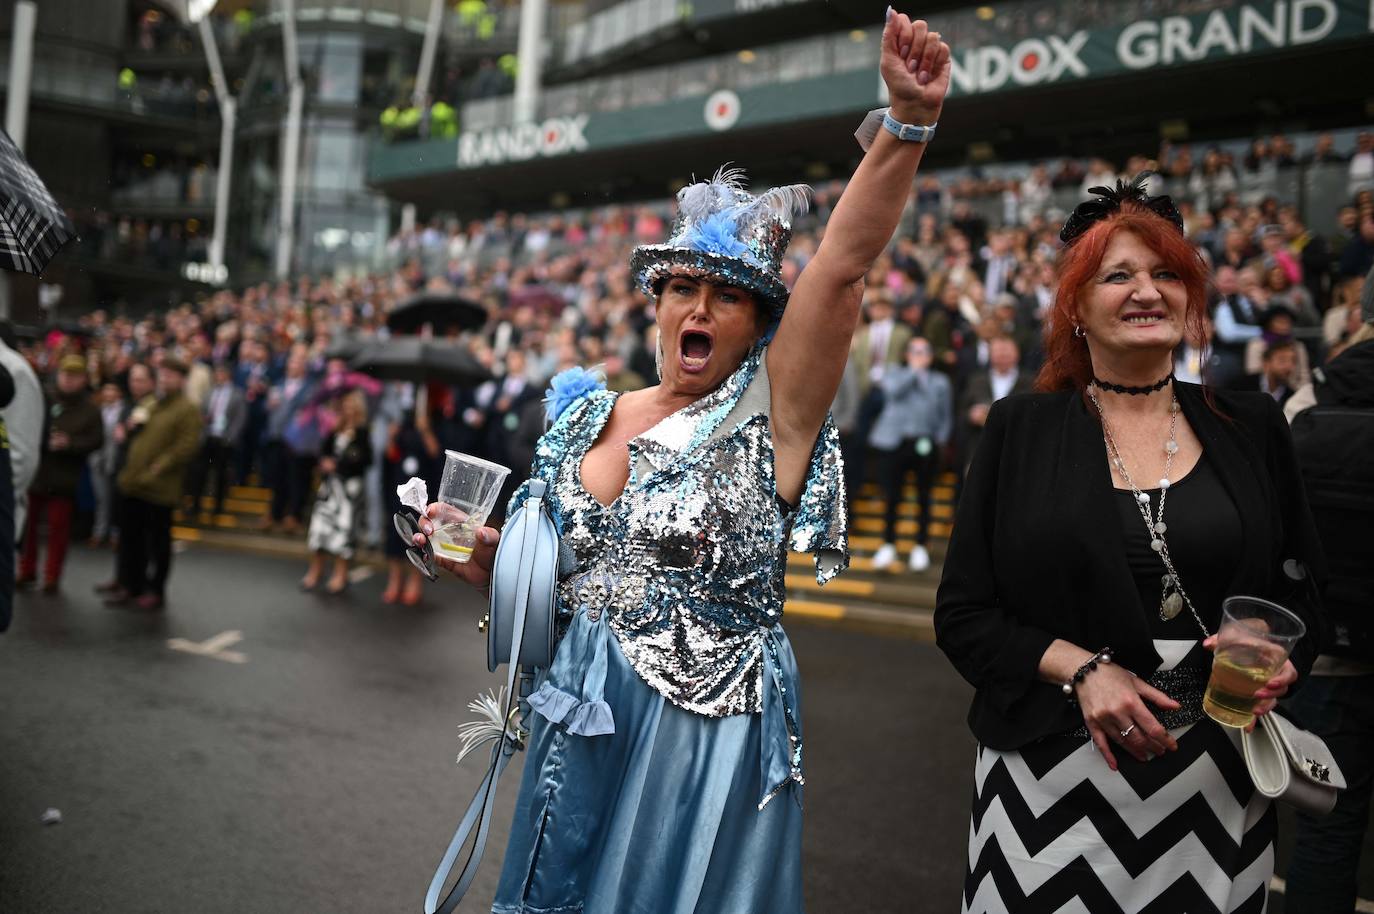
(1111, 513)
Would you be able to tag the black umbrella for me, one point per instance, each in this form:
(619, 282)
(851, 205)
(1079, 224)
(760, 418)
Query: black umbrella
(32, 225)
(440, 310)
(416, 360)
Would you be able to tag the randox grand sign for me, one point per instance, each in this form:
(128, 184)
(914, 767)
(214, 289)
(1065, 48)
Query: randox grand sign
(522, 142)
(1171, 40)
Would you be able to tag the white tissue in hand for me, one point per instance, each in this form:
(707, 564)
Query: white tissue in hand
(414, 494)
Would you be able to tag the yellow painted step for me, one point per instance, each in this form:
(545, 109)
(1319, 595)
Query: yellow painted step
(871, 493)
(803, 562)
(238, 505)
(251, 493)
(190, 534)
(874, 543)
(905, 526)
(946, 480)
(814, 610)
(842, 587)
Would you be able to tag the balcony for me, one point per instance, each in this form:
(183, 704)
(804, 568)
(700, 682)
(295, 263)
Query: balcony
(636, 33)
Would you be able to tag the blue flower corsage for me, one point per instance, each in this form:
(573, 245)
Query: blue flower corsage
(569, 386)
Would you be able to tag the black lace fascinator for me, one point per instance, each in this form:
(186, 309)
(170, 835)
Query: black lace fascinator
(1109, 200)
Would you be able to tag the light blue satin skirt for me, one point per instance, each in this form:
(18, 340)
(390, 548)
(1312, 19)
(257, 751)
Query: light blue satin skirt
(659, 817)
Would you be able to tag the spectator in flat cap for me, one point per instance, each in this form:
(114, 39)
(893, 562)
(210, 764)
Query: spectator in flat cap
(73, 430)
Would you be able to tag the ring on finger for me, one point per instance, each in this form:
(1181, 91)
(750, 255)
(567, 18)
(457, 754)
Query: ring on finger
(1127, 732)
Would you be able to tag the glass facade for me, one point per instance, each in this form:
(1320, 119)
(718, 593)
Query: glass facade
(350, 73)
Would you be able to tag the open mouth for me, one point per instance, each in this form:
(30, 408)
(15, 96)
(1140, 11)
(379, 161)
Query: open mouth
(695, 348)
(1144, 318)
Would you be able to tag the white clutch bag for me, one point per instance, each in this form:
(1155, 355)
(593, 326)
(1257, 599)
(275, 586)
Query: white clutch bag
(1292, 765)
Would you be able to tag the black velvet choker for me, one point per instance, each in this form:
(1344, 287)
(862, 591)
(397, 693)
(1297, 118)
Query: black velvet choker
(1127, 389)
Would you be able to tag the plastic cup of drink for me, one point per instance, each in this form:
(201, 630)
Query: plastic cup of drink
(469, 488)
(1253, 644)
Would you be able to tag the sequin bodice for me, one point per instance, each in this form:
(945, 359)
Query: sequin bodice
(688, 562)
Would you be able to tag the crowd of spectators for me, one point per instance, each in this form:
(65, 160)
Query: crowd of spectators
(953, 320)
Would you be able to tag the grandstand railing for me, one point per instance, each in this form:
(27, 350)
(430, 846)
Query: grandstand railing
(1317, 190)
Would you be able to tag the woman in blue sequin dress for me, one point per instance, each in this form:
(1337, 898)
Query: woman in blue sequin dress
(664, 765)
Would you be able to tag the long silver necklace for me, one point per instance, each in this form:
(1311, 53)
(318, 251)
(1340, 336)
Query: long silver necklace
(1173, 597)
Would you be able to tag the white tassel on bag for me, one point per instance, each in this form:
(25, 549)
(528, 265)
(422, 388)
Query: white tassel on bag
(490, 725)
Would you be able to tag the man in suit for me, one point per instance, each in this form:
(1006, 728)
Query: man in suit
(225, 413)
(1277, 375)
(1002, 377)
(1001, 264)
(291, 467)
(505, 403)
(133, 416)
(877, 347)
(254, 378)
(1235, 321)
(881, 343)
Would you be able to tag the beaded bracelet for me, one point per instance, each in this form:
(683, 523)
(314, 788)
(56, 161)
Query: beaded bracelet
(1102, 656)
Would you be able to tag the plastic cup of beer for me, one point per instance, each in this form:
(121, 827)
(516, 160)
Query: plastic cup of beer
(1253, 644)
(468, 489)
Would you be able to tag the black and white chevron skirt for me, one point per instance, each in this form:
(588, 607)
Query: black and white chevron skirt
(1055, 830)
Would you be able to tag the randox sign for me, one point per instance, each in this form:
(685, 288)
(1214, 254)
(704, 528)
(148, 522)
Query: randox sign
(1168, 41)
(522, 142)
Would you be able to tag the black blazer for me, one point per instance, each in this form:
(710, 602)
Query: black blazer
(1038, 552)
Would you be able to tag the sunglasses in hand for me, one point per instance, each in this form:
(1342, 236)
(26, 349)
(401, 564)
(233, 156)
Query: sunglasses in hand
(407, 524)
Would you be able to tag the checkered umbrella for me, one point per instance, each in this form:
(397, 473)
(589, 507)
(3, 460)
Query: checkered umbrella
(32, 225)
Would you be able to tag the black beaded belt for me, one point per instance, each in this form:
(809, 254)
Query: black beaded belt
(1185, 686)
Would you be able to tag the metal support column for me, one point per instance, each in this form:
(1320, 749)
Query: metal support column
(428, 51)
(21, 71)
(530, 56)
(228, 116)
(291, 143)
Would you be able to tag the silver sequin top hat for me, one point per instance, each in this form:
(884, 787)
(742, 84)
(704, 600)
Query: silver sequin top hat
(725, 234)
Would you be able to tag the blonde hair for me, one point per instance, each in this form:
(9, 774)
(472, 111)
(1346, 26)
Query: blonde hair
(354, 404)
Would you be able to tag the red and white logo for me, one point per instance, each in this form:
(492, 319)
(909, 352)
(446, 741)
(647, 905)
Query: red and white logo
(722, 110)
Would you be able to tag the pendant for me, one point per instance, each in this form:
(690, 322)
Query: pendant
(1170, 601)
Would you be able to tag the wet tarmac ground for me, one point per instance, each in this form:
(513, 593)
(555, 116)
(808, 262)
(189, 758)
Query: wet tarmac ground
(259, 750)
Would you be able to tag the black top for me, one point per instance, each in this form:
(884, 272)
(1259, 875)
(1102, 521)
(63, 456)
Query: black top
(352, 452)
(1202, 527)
(1039, 553)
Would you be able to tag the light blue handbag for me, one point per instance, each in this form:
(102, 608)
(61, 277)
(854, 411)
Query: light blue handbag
(521, 628)
(524, 577)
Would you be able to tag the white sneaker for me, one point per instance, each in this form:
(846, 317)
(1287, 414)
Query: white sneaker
(885, 556)
(920, 559)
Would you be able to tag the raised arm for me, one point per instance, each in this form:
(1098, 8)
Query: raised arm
(808, 353)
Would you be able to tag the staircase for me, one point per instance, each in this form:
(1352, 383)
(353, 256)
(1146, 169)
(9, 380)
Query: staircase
(239, 528)
(894, 598)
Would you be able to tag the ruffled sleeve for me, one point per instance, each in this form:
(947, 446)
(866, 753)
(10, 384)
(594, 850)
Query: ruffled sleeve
(574, 691)
(820, 524)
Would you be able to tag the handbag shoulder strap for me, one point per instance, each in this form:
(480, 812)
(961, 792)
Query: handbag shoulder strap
(478, 813)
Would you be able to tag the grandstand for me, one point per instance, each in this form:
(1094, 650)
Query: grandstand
(644, 93)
